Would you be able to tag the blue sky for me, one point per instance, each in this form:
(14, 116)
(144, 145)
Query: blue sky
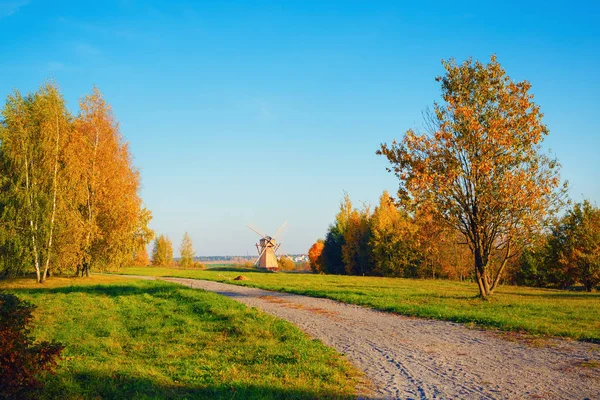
(256, 112)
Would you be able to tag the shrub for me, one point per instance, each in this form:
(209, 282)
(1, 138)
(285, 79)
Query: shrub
(286, 264)
(22, 362)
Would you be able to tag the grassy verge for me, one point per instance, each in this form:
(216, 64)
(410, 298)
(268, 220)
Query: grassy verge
(538, 311)
(126, 338)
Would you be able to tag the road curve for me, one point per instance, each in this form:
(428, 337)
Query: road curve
(414, 358)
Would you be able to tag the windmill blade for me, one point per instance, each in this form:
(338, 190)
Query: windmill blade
(282, 253)
(279, 230)
(260, 255)
(255, 231)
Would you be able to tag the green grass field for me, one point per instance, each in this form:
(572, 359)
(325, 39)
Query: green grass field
(128, 339)
(537, 311)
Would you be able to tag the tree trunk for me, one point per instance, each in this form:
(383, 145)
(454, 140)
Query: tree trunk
(91, 189)
(53, 215)
(32, 225)
(481, 274)
(482, 292)
(504, 262)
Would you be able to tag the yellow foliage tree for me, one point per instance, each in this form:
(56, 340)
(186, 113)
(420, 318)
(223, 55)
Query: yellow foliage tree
(162, 253)
(356, 252)
(393, 240)
(112, 208)
(187, 252)
(480, 168)
(141, 258)
(286, 264)
(33, 138)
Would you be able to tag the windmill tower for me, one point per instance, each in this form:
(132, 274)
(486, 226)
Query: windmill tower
(267, 247)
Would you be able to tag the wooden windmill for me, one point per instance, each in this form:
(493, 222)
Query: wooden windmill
(267, 247)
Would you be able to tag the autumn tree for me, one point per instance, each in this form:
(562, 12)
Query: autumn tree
(33, 134)
(453, 255)
(140, 258)
(142, 236)
(162, 253)
(480, 166)
(112, 210)
(356, 252)
(581, 248)
(286, 264)
(334, 240)
(68, 189)
(70, 227)
(187, 252)
(393, 240)
(315, 256)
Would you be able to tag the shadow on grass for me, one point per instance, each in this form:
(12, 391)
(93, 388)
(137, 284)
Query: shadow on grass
(446, 296)
(118, 386)
(565, 294)
(159, 288)
(112, 290)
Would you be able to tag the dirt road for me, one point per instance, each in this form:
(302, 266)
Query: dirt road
(413, 358)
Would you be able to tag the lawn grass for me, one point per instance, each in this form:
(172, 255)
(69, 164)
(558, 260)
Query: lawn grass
(127, 339)
(537, 311)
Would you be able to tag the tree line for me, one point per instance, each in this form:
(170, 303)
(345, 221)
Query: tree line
(162, 254)
(569, 253)
(69, 193)
(476, 197)
(389, 241)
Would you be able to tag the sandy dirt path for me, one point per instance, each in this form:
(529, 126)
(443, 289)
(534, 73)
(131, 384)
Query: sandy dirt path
(414, 358)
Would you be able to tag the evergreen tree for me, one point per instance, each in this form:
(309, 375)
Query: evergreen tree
(334, 240)
(356, 252)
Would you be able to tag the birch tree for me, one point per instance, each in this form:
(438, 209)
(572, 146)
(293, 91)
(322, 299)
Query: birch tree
(112, 207)
(187, 252)
(162, 253)
(33, 137)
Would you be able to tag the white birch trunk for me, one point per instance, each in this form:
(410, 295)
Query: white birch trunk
(54, 185)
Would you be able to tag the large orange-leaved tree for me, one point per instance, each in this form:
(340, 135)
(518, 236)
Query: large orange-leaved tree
(479, 165)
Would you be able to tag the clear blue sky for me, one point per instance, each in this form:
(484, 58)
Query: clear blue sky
(254, 112)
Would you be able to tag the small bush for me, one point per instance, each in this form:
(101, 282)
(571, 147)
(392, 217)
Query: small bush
(22, 362)
(286, 264)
